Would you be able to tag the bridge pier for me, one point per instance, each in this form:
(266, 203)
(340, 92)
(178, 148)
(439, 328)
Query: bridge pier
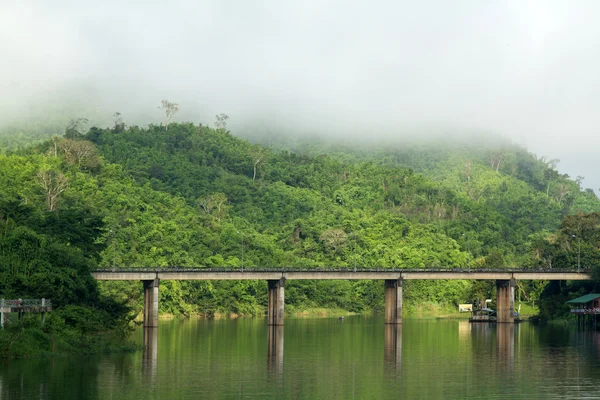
(505, 300)
(393, 301)
(276, 301)
(151, 302)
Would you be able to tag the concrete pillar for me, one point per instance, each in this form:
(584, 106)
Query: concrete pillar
(505, 301)
(393, 301)
(147, 301)
(276, 301)
(151, 303)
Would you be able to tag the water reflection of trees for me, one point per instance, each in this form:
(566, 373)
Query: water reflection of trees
(56, 378)
(422, 359)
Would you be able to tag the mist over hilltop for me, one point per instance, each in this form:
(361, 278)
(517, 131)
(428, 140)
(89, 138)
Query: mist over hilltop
(525, 70)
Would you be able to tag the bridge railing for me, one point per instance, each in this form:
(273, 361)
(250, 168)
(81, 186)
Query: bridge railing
(335, 269)
(26, 303)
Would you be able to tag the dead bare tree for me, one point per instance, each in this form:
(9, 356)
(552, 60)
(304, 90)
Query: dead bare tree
(54, 152)
(54, 184)
(82, 153)
(468, 169)
(562, 192)
(496, 159)
(119, 124)
(258, 156)
(75, 128)
(215, 202)
(169, 109)
(468, 172)
(334, 238)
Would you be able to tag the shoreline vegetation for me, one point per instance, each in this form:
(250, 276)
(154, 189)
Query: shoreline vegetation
(192, 195)
(425, 311)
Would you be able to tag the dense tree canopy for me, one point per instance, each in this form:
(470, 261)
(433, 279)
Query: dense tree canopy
(190, 195)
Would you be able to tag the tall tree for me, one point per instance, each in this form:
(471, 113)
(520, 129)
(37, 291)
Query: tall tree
(259, 154)
(169, 109)
(214, 203)
(54, 184)
(119, 125)
(221, 122)
(81, 153)
(75, 128)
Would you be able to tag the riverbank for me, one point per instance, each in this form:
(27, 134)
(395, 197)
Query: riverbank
(66, 331)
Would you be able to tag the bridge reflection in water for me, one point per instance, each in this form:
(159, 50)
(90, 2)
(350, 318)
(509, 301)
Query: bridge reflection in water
(393, 346)
(484, 338)
(505, 345)
(275, 348)
(482, 333)
(150, 353)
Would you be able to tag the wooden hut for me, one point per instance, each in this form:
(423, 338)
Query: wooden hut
(586, 308)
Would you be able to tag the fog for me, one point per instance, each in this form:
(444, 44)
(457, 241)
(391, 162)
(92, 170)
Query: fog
(527, 70)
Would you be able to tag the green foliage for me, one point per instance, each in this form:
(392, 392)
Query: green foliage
(190, 195)
(48, 252)
(68, 330)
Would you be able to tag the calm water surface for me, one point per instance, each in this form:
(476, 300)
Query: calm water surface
(359, 357)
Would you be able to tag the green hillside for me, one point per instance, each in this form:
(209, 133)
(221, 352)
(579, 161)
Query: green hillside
(190, 195)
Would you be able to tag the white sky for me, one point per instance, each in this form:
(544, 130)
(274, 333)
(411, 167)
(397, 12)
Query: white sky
(529, 70)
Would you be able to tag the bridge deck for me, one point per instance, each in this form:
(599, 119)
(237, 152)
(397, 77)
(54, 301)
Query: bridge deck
(335, 274)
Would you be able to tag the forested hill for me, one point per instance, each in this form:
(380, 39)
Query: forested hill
(494, 198)
(189, 195)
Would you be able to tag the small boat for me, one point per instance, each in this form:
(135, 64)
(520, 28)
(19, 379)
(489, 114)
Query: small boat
(489, 315)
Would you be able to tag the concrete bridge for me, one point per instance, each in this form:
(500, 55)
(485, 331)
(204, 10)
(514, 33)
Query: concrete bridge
(393, 282)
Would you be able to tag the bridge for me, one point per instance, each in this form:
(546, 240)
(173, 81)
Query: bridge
(393, 282)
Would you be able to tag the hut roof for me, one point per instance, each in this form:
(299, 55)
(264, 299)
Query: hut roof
(584, 299)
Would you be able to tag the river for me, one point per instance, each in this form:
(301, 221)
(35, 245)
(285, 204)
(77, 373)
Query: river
(359, 357)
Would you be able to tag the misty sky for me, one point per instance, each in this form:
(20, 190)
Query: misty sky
(529, 70)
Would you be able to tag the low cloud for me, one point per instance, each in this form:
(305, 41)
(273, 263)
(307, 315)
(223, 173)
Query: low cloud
(526, 70)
